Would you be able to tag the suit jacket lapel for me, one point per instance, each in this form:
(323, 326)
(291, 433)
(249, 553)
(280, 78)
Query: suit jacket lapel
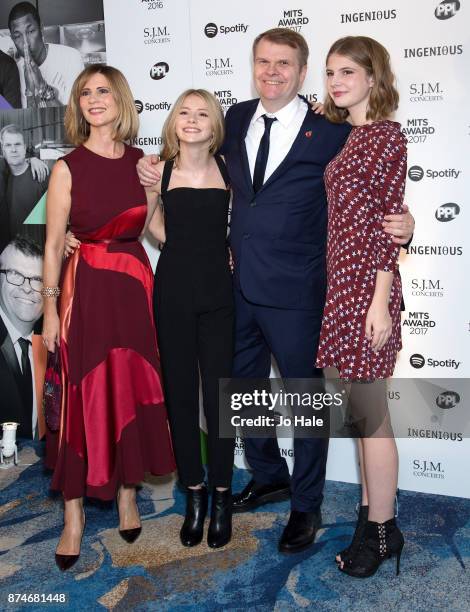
(301, 142)
(9, 354)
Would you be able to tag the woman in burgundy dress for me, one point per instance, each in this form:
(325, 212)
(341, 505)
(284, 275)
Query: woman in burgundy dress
(113, 422)
(360, 333)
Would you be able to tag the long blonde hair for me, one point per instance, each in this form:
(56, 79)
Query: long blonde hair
(126, 125)
(171, 144)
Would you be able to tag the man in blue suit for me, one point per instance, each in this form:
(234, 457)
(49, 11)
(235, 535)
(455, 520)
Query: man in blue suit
(276, 150)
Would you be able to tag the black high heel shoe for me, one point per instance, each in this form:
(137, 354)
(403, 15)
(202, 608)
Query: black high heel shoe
(196, 509)
(220, 526)
(129, 535)
(380, 541)
(349, 552)
(65, 562)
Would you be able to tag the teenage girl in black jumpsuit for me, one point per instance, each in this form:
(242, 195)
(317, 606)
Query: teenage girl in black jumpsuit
(193, 304)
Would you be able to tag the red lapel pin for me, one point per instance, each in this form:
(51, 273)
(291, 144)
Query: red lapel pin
(308, 134)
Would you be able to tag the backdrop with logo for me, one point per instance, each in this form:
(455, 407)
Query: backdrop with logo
(165, 46)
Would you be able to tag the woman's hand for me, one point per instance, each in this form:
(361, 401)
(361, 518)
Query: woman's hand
(378, 325)
(51, 330)
(317, 108)
(71, 243)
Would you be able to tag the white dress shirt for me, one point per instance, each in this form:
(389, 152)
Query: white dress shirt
(15, 335)
(283, 133)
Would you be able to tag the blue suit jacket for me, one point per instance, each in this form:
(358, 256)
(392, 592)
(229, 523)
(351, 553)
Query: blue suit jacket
(278, 237)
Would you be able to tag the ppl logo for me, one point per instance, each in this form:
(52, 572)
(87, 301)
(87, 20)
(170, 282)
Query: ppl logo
(447, 400)
(415, 173)
(447, 212)
(211, 30)
(417, 361)
(159, 70)
(139, 106)
(447, 9)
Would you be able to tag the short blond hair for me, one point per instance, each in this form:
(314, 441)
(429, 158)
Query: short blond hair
(171, 145)
(126, 125)
(375, 59)
(285, 36)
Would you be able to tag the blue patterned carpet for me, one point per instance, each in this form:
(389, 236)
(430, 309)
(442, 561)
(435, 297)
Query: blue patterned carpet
(156, 573)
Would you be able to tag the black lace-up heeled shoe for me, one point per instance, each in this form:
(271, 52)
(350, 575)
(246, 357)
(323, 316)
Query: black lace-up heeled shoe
(349, 552)
(380, 541)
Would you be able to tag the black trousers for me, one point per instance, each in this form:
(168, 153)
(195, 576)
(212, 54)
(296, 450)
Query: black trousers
(196, 343)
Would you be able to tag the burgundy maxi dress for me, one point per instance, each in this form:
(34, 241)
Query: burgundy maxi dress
(114, 422)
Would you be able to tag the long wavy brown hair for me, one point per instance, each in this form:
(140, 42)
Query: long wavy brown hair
(375, 59)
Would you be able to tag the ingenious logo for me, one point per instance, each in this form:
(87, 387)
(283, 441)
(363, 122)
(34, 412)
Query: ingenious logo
(447, 9)
(443, 250)
(436, 51)
(379, 15)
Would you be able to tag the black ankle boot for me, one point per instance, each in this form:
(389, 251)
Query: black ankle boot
(380, 541)
(220, 526)
(196, 509)
(348, 553)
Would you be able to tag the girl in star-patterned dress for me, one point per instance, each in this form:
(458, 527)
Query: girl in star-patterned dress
(360, 333)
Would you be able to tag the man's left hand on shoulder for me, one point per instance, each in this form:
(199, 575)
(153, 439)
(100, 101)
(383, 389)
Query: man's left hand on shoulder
(39, 169)
(401, 227)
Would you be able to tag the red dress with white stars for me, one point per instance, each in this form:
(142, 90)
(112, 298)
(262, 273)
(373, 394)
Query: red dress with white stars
(364, 182)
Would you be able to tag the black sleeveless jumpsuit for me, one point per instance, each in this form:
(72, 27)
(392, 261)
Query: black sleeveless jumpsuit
(193, 304)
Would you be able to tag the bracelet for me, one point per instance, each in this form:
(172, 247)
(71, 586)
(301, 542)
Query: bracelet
(52, 292)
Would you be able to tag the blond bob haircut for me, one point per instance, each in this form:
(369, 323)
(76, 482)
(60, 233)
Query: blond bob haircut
(126, 125)
(375, 59)
(171, 145)
(285, 36)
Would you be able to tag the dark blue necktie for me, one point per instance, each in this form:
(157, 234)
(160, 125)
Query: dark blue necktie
(262, 155)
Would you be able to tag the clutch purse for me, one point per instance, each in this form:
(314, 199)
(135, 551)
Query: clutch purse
(52, 397)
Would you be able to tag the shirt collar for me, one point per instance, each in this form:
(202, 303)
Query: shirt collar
(284, 115)
(14, 334)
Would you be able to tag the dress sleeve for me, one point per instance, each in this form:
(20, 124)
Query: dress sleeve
(392, 178)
